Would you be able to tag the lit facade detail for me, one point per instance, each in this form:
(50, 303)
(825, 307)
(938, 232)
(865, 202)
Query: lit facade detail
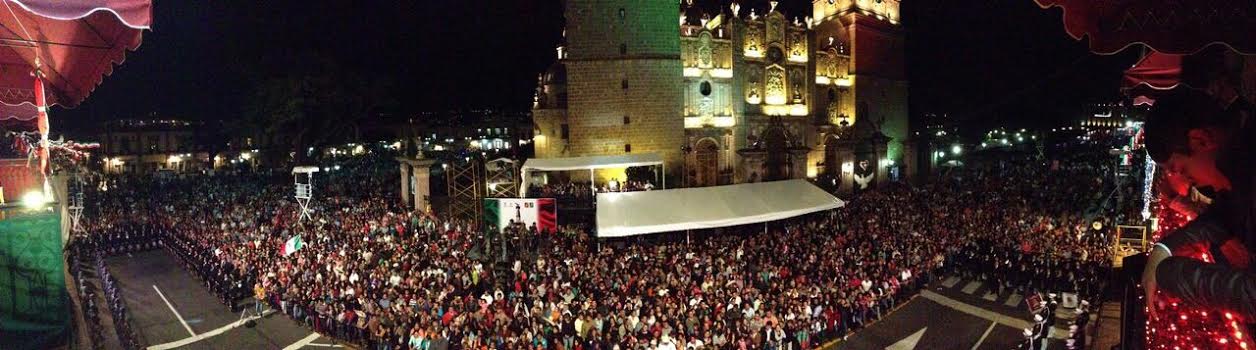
(755, 94)
(701, 122)
(886, 10)
(796, 110)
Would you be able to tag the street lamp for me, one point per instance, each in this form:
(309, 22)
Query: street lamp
(34, 199)
(956, 149)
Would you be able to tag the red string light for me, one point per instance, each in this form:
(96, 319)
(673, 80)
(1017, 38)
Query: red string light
(1181, 326)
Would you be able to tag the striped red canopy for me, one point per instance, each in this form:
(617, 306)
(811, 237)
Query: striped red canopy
(1154, 72)
(76, 44)
(1167, 26)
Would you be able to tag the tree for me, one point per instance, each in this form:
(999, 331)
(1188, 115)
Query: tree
(316, 107)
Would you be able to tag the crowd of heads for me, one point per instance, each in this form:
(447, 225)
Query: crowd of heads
(383, 276)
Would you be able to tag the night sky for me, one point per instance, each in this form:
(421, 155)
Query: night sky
(988, 61)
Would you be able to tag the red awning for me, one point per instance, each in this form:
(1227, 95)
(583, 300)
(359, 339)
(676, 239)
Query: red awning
(1155, 71)
(77, 42)
(17, 178)
(133, 13)
(1169, 26)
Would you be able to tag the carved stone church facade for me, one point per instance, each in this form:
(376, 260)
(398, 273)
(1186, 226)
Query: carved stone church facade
(742, 95)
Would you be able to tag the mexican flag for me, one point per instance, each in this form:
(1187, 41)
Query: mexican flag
(542, 212)
(294, 244)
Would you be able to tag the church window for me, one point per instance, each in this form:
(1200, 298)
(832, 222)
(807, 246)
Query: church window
(705, 88)
(775, 55)
(622, 14)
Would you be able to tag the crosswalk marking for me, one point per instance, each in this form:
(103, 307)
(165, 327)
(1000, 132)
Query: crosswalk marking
(990, 296)
(908, 343)
(971, 287)
(950, 282)
(984, 335)
(303, 342)
(1013, 300)
(1002, 319)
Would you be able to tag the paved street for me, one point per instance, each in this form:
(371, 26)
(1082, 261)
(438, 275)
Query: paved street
(173, 310)
(954, 314)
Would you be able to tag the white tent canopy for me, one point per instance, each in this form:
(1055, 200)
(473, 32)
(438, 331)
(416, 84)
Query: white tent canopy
(636, 213)
(593, 162)
(587, 163)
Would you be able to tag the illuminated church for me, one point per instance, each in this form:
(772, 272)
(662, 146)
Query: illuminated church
(743, 95)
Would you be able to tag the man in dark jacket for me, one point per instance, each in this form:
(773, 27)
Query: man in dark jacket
(1189, 134)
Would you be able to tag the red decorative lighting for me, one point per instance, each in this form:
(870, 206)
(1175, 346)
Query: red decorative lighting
(1181, 326)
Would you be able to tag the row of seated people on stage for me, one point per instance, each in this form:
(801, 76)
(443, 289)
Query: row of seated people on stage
(579, 192)
(381, 276)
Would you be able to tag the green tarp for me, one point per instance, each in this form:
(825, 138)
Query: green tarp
(33, 299)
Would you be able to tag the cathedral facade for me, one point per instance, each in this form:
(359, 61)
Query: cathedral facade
(741, 95)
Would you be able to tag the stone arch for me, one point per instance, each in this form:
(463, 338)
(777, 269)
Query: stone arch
(776, 141)
(706, 162)
(832, 157)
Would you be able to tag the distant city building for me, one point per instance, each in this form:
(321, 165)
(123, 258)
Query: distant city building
(744, 95)
(151, 145)
(1111, 115)
(480, 130)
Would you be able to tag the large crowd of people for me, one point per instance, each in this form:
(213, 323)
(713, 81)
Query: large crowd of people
(379, 275)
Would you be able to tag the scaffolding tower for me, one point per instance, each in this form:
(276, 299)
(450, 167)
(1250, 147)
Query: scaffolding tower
(76, 189)
(303, 179)
(465, 181)
(503, 178)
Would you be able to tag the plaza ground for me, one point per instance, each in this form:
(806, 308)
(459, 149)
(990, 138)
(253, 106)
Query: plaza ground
(172, 309)
(955, 313)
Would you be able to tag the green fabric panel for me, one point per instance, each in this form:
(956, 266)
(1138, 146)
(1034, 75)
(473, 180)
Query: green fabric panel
(491, 214)
(33, 304)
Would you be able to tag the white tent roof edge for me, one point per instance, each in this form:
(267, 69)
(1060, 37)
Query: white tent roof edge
(592, 162)
(637, 213)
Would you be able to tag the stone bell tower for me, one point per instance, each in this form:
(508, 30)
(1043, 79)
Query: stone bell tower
(860, 44)
(623, 69)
